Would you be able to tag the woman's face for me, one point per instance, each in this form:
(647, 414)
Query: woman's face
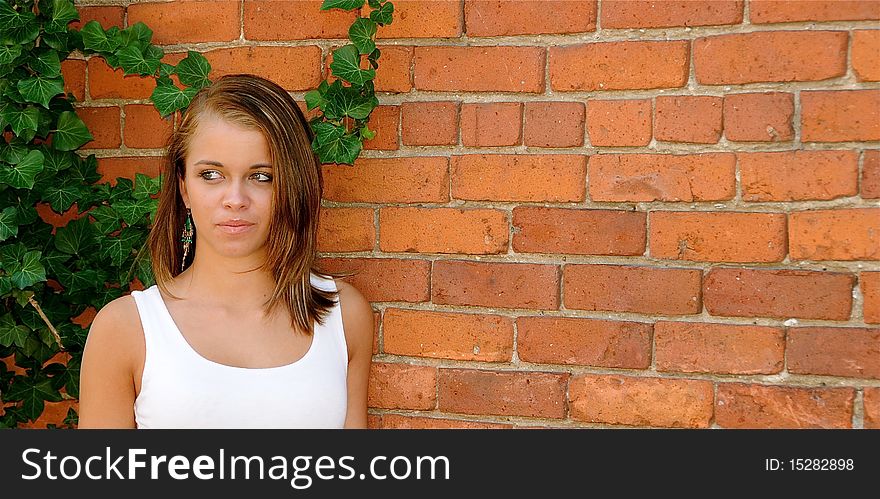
(228, 188)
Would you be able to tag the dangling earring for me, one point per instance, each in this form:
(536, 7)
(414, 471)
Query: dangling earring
(186, 238)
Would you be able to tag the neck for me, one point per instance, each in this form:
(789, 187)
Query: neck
(231, 283)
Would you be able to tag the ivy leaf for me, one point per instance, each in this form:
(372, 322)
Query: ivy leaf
(333, 146)
(345, 65)
(63, 12)
(145, 186)
(315, 99)
(8, 224)
(19, 27)
(46, 63)
(348, 101)
(193, 70)
(144, 269)
(33, 393)
(65, 376)
(95, 38)
(366, 133)
(22, 120)
(55, 161)
(9, 53)
(106, 219)
(41, 89)
(54, 260)
(166, 69)
(76, 238)
(132, 210)
(138, 35)
(374, 3)
(61, 197)
(29, 272)
(168, 98)
(85, 171)
(12, 333)
(383, 14)
(118, 249)
(142, 62)
(361, 34)
(81, 280)
(342, 4)
(11, 255)
(22, 174)
(374, 58)
(71, 133)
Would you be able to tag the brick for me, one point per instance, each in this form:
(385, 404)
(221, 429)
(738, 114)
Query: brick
(866, 55)
(757, 406)
(111, 168)
(429, 123)
(422, 333)
(759, 117)
(872, 407)
(401, 386)
(502, 285)
(783, 11)
(778, 293)
(514, 177)
(385, 279)
(53, 413)
(695, 347)
(346, 229)
(443, 230)
(397, 180)
(688, 118)
(106, 83)
(870, 287)
(104, 124)
(718, 236)
(670, 13)
(769, 56)
(479, 69)
(384, 120)
(585, 232)
(619, 122)
(635, 401)
(628, 65)
(586, 342)
(531, 394)
(844, 234)
(834, 351)
(302, 65)
(393, 74)
(397, 421)
(74, 73)
(279, 20)
(798, 175)
(662, 177)
(621, 288)
(525, 17)
(189, 22)
(492, 124)
(106, 16)
(871, 175)
(376, 321)
(422, 19)
(145, 128)
(553, 124)
(840, 116)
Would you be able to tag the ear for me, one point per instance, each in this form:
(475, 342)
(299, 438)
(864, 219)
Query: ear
(181, 185)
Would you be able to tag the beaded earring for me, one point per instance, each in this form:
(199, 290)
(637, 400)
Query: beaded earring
(186, 237)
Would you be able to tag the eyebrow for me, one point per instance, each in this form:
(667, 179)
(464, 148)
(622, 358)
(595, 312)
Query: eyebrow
(217, 163)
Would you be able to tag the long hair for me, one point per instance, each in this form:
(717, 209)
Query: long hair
(258, 104)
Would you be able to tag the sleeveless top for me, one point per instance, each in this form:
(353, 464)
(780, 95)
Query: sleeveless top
(182, 389)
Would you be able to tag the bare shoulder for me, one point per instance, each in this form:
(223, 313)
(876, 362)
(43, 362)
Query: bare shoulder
(117, 328)
(357, 317)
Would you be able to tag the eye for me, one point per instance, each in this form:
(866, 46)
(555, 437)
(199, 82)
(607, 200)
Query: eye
(262, 177)
(210, 174)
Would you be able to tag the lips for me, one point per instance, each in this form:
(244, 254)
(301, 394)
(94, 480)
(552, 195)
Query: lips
(235, 226)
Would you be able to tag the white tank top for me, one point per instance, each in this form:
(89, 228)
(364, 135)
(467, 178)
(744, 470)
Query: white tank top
(182, 389)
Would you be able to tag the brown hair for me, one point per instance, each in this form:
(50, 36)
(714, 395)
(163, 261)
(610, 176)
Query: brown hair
(258, 104)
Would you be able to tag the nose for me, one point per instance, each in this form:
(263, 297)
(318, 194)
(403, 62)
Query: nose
(235, 197)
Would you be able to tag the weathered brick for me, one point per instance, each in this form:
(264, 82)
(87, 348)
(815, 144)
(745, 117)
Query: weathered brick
(445, 335)
(429, 123)
(758, 406)
(872, 407)
(759, 117)
(346, 229)
(491, 124)
(105, 15)
(783, 11)
(688, 118)
(840, 116)
(718, 236)
(443, 230)
(189, 22)
(107, 83)
(844, 234)
(514, 177)
(553, 124)
(302, 65)
(300, 20)
(621, 288)
(401, 386)
(397, 421)
(422, 19)
(834, 351)
(385, 279)
(384, 120)
(768, 56)
(393, 74)
(778, 293)
(397, 180)
(588, 342)
(529, 17)
(586, 232)
(662, 177)
(870, 287)
(111, 168)
(74, 73)
(866, 54)
(718, 348)
(619, 122)
(619, 65)
(669, 13)
(104, 124)
(871, 175)
(636, 401)
(798, 175)
(532, 394)
(145, 128)
(503, 285)
(479, 69)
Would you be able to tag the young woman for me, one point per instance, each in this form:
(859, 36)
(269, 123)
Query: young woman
(242, 330)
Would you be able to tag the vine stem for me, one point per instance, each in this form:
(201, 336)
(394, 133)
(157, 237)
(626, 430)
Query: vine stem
(46, 320)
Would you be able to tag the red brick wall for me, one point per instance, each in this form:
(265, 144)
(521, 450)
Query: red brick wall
(582, 213)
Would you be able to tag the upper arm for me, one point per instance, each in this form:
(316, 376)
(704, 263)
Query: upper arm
(357, 319)
(107, 390)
